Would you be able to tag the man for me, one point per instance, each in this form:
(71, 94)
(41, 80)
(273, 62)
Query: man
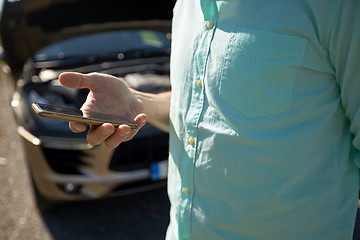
(264, 118)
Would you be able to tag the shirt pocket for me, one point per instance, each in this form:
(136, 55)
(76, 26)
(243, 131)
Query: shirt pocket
(259, 71)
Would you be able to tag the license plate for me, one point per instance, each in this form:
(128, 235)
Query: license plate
(159, 170)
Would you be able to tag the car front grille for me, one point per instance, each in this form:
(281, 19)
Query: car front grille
(140, 152)
(64, 161)
(133, 155)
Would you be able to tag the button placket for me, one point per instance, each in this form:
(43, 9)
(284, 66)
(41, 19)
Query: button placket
(191, 141)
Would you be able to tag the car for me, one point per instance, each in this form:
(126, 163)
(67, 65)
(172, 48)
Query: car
(41, 39)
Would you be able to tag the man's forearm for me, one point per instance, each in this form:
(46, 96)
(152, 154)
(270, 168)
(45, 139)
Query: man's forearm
(156, 107)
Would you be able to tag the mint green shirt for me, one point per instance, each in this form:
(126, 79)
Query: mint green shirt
(265, 119)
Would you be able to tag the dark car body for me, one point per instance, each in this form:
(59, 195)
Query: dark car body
(128, 39)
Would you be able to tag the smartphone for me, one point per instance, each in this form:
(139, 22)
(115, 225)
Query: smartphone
(76, 115)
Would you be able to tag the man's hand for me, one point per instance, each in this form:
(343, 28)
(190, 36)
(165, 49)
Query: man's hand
(110, 95)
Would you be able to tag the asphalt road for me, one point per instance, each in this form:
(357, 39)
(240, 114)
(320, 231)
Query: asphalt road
(138, 216)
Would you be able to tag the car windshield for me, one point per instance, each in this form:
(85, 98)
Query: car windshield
(106, 44)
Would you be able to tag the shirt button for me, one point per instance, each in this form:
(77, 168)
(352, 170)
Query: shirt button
(209, 24)
(199, 83)
(186, 191)
(191, 140)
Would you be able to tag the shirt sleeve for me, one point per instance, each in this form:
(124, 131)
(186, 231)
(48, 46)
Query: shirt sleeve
(344, 53)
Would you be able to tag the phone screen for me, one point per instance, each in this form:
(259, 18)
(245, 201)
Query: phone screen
(72, 114)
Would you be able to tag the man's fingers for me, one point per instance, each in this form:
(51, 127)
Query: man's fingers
(79, 80)
(98, 134)
(124, 133)
(92, 81)
(77, 127)
(120, 135)
(140, 119)
(73, 80)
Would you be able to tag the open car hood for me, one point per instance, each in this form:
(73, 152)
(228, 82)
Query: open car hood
(29, 25)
